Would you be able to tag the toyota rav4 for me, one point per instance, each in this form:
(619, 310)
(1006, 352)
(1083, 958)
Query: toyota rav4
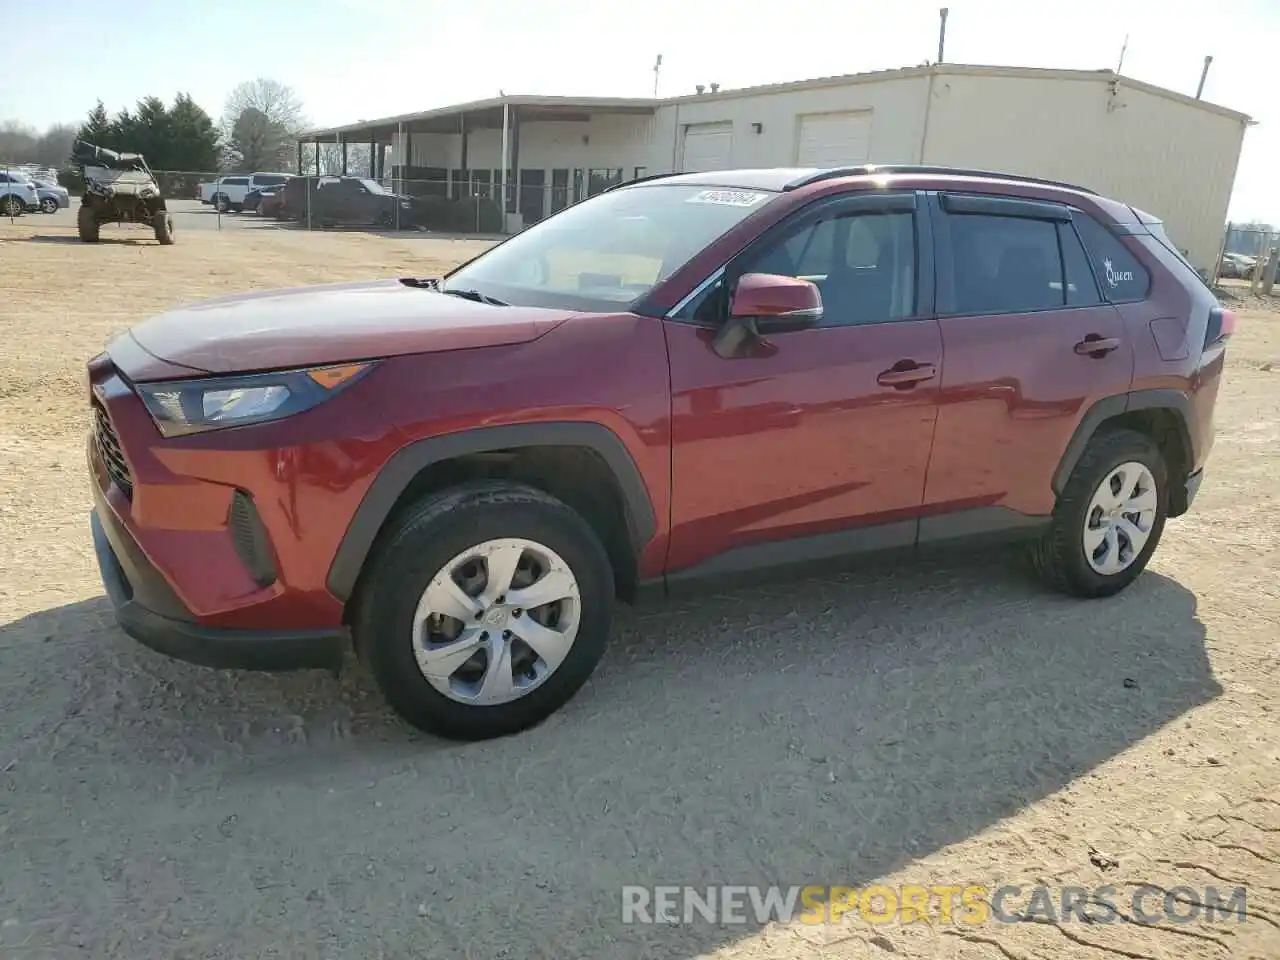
(686, 376)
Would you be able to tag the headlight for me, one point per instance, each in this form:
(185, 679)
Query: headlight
(182, 407)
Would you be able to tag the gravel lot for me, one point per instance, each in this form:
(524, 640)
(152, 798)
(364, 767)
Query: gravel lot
(942, 722)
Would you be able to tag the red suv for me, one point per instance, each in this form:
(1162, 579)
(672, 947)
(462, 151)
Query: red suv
(683, 377)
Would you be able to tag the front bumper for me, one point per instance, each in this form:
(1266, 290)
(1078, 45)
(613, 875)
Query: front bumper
(148, 610)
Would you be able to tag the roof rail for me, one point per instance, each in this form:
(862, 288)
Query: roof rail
(631, 183)
(868, 169)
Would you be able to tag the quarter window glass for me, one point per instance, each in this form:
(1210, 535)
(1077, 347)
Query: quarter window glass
(1120, 274)
(1005, 264)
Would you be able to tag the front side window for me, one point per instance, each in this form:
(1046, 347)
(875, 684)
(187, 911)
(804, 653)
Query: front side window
(610, 250)
(863, 263)
(1005, 264)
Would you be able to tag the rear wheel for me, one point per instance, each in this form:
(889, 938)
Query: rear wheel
(221, 203)
(87, 224)
(486, 609)
(1109, 518)
(162, 222)
(13, 206)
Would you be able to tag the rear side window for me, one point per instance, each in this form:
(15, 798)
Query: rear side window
(236, 181)
(1005, 264)
(1082, 291)
(270, 179)
(1122, 277)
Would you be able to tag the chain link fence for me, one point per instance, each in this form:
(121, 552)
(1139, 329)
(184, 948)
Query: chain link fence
(1247, 254)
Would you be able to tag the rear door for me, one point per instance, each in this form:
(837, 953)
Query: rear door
(1029, 345)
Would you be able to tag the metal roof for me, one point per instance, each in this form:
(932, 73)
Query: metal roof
(566, 107)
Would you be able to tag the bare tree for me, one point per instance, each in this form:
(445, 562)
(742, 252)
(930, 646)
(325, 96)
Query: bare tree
(22, 144)
(262, 120)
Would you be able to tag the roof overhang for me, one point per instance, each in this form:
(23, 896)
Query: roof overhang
(482, 115)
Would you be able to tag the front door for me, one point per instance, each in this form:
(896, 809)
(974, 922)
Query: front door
(1019, 308)
(817, 437)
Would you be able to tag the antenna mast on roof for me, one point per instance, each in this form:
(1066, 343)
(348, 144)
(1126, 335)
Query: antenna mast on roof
(1123, 47)
(1203, 74)
(657, 67)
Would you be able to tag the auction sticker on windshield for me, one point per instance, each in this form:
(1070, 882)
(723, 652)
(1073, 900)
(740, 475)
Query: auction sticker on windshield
(728, 198)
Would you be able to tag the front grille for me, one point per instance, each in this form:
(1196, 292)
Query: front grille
(108, 446)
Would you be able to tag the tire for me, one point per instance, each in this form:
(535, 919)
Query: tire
(237, 208)
(220, 203)
(12, 206)
(1061, 556)
(48, 205)
(422, 545)
(87, 224)
(162, 223)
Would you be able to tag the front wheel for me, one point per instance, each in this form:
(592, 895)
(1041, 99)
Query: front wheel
(87, 224)
(1109, 518)
(486, 609)
(162, 223)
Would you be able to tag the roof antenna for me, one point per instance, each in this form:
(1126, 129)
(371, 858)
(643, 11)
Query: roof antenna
(942, 32)
(657, 67)
(1203, 73)
(1123, 47)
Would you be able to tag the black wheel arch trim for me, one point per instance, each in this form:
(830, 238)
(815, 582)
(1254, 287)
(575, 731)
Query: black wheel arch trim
(1108, 407)
(404, 465)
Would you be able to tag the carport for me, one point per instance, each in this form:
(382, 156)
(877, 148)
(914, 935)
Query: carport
(504, 146)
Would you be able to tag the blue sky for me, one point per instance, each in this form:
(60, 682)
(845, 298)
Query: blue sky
(360, 59)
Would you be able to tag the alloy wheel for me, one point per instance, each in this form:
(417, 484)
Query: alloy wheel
(1120, 518)
(496, 621)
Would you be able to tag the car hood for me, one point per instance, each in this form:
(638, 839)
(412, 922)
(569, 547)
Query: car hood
(312, 326)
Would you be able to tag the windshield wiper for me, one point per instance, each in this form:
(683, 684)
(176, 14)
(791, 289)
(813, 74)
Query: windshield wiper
(422, 283)
(477, 296)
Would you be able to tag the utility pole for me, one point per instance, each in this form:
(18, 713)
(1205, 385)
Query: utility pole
(942, 32)
(1203, 73)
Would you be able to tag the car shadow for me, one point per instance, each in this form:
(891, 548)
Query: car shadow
(826, 731)
(72, 238)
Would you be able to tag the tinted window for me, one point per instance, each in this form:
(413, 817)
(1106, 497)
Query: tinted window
(1005, 264)
(236, 181)
(1082, 291)
(270, 179)
(864, 264)
(1119, 273)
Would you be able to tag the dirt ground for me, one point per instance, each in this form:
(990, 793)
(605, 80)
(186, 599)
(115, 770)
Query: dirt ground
(943, 722)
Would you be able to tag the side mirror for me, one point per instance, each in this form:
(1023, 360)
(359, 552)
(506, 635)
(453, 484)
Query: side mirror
(766, 303)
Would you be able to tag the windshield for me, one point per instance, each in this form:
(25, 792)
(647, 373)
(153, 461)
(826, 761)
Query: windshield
(609, 251)
(373, 186)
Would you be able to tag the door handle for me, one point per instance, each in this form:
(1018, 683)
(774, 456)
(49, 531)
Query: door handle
(903, 377)
(1096, 346)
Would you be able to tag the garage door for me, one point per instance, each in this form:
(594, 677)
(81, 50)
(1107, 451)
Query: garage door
(707, 146)
(834, 139)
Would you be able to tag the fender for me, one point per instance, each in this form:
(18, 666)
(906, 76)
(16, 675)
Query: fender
(407, 462)
(1108, 407)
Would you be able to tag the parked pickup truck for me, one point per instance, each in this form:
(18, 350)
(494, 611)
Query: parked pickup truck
(228, 193)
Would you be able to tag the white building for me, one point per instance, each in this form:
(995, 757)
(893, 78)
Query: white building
(1159, 150)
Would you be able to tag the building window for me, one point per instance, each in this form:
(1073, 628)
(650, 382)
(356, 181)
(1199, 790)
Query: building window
(600, 179)
(640, 172)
